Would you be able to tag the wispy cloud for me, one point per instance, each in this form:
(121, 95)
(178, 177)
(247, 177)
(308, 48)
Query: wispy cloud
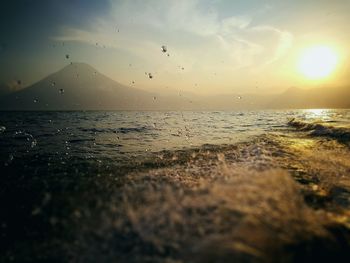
(195, 33)
(284, 41)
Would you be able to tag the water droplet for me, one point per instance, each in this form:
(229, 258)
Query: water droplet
(53, 220)
(164, 49)
(61, 91)
(150, 75)
(239, 97)
(183, 68)
(53, 83)
(133, 82)
(2, 129)
(34, 143)
(36, 211)
(67, 56)
(35, 100)
(9, 160)
(221, 157)
(168, 55)
(154, 98)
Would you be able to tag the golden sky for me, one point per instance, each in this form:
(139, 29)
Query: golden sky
(214, 46)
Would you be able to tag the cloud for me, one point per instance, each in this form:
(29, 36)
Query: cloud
(10, 86)
(236, 22)
(285, 41)
(195, 33)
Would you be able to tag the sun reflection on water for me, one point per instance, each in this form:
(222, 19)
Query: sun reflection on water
(318, 114)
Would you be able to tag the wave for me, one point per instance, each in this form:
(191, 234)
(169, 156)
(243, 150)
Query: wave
(218, 203)
(223, 203)
(123, 130)
(132, 129)
(81, 140)
(319, 129)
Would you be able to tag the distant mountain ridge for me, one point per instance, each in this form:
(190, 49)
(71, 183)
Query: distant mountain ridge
(79, 86)
(76, 86)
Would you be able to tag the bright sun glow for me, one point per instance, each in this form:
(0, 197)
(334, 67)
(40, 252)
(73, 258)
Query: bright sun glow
(318, 62)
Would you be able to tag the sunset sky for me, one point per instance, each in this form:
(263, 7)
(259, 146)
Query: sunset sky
(214, 46)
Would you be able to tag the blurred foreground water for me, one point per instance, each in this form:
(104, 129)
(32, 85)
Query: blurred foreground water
(265, 186)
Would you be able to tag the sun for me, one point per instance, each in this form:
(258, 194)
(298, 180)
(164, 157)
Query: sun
(318, 62)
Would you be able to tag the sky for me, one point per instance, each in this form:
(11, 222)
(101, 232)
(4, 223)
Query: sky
(213, 46)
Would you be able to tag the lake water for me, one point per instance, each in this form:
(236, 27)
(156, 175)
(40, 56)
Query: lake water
(120, 137)
(150, 186)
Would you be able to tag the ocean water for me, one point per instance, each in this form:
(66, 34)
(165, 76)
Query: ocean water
(128, 186)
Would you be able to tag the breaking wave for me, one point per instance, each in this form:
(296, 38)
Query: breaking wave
(320, 129)
(227, 203)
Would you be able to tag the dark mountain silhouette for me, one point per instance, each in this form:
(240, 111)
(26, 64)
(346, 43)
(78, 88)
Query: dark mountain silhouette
(79, 86)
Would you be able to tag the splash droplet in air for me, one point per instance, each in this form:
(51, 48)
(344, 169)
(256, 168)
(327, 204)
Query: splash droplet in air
(150, 75)
(33, 144)
(61, 91)
(67, 56)
(164, 49)
(35, 100)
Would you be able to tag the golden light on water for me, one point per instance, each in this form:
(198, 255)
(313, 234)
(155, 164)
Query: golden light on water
(317, 112)
(318, 62)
